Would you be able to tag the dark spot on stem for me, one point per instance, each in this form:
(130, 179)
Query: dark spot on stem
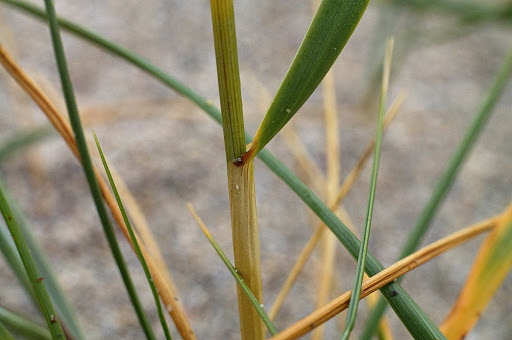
(393, 293)
(40, 279)
(238, 161)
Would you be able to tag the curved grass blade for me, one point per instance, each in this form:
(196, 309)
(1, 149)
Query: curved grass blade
(62, 305)
(135, 243)
(34, 276)
(491, 267)
(332, 26)
(411, 314)
(254, 301)
(447, 179)
(361, 262)
(23, 326)
(389, 274)
(76, 124)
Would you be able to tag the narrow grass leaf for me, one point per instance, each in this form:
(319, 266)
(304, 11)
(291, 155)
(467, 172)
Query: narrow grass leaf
(447, 178)
(64, 308)
(34, 276)
(247, 291)
(135, 243)
(492, 265)
(332, 26)
(411, 314)
(23, 326)
(361, 262)
(76, 124)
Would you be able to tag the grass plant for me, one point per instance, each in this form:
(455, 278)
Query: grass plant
(329, 32)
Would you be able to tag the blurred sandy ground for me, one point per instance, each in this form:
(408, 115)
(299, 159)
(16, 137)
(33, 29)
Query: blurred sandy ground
(169, 152)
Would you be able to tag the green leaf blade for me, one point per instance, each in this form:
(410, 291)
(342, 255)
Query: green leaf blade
(332, 26)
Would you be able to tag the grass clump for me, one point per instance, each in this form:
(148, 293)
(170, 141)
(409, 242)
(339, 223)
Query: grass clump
(333, 25)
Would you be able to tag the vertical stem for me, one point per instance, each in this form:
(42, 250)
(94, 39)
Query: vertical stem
(246, 244)
(223, 20)
(244, 222)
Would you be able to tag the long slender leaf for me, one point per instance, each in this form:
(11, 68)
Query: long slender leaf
(23, 326)
(89, 170)
(332, 26)
(34, 276)
(135, 243)
(412, 316)
(447, 179)
(57, 294)
(361, 262)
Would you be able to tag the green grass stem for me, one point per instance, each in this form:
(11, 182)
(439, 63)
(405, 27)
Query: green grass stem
(228, 75)
(64, 308)
(89, 170)
(34, 276)
(411, 315)
(23, 326)
(240, 173)
(135, 243)
(447, 179)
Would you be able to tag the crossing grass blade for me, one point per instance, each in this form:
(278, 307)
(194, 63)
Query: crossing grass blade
(448, 177)
(416, 321)
(386, 276)
(361, 262)
(247, 291)
(135, 242)
(332, 26)
(22, 326)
